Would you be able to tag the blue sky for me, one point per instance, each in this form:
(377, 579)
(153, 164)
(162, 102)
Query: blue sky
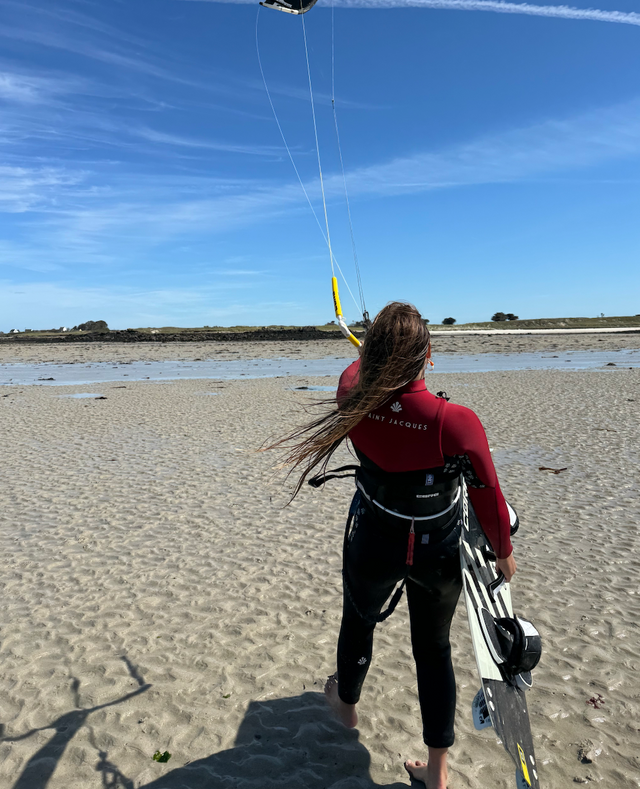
(492, 156)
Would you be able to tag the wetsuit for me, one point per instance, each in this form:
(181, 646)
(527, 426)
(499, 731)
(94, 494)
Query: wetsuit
(414, 444)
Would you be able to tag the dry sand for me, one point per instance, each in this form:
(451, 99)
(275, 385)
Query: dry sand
(156, 596)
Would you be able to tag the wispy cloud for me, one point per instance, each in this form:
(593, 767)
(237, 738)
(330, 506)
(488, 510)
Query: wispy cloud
(73, 18)
(27, 189)
(123, 221)
(148, 181)
(15, 87)
(87, 36)
(548, 148)
(164, 138)
(58, 40)
(492, 6)
(67, 114)
(23, 87)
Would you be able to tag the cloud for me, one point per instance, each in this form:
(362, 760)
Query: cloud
(57, 40)
(28, 189)
(83, 35)
(493, 6)
(71, 18)
(189, 142)
(15, 87)
(551, 147)
(529, 9)
(546, 149)
(94, 218)
(35, 94)
(40, 121)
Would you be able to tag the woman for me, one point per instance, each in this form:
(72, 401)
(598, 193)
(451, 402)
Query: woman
(404, 522)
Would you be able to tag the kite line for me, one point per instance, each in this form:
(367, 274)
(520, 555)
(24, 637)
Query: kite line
(324, 230)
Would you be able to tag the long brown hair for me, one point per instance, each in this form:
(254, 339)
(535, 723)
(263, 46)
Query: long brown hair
(394, 354)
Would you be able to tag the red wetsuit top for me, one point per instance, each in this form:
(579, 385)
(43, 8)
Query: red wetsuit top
(416, 430)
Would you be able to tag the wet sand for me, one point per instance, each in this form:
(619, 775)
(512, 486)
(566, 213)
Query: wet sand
(87, 353)
(156, 595)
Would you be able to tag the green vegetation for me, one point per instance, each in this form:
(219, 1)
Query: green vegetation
(613, 322)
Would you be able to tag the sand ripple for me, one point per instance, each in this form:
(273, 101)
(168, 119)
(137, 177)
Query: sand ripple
(158, 597)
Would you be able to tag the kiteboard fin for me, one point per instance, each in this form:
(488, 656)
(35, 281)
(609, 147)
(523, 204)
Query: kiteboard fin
(524, 680)
(293, 7)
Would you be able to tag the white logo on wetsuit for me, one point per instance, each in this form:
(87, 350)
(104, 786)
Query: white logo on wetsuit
(396, 407)
(362, 661)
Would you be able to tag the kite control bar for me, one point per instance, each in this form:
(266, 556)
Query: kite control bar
(341, 321)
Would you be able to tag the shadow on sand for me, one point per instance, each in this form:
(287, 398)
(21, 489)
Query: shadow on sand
(290, 743)
(40, 767)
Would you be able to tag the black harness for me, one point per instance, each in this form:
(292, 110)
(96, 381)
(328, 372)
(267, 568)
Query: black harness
(432, 509)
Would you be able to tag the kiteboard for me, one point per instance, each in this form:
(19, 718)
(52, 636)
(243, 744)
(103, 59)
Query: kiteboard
(501, 702)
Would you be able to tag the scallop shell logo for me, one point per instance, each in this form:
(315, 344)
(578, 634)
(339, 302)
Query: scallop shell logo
(396, 407)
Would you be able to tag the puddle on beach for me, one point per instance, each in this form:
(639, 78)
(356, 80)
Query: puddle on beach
(81, 395)
(49, 374)
(533, 456)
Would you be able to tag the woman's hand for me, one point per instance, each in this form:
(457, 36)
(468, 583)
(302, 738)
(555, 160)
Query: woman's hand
(507, 567)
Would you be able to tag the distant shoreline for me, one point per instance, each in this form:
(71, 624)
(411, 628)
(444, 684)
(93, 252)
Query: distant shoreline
(301, 334)
(521, 332)
(130, 335)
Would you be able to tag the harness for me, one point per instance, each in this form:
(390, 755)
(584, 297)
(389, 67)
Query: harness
(395, 506)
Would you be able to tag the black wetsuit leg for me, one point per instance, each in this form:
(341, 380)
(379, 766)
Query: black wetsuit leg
(375, 562)
(433, 591)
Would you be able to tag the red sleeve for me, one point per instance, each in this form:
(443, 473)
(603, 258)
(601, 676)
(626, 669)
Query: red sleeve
(348, 380)
(463, 434)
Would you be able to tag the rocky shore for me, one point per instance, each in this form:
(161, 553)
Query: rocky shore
(297, 334)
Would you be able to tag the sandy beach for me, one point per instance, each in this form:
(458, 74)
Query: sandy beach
(158, 597)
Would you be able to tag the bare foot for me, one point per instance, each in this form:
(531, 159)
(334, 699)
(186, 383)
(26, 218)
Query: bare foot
(434, 778)
(345, 713)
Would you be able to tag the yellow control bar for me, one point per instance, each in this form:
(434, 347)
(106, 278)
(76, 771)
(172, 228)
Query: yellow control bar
(346, 331)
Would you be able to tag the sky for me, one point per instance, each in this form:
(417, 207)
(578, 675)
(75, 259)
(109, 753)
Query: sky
(491, 157)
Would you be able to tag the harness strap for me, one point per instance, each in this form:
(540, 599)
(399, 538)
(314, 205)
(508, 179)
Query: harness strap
(411, 541)
(325, 476)
(352, 470)
(409, 517)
